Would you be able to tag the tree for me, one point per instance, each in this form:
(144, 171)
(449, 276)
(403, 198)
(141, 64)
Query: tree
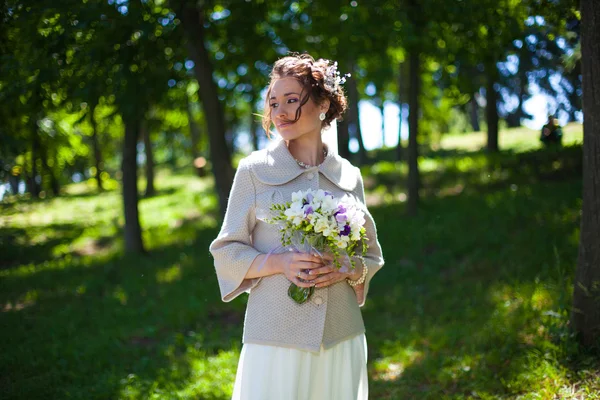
(585, 316)
(414, 60)
(193, 20)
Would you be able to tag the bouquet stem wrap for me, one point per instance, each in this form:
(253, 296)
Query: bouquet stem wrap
(313, 244)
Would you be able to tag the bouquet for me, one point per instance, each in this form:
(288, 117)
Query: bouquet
(317, 222)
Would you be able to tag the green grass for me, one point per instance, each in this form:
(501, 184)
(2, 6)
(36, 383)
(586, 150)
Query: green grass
(473, 301)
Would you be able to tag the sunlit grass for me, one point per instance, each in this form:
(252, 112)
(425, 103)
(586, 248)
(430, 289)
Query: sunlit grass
(519, 139)
(473, 302)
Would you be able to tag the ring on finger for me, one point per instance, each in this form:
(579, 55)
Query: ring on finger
(298, 275)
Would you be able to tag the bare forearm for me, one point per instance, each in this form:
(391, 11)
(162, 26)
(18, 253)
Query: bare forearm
(260, 267)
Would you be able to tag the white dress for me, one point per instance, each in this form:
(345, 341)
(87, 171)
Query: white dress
(281, 373)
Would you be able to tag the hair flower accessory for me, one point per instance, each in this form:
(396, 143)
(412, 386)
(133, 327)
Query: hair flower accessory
(333, 80)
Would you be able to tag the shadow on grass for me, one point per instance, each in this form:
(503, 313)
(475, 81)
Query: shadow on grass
(120, 324)
(472, 302)
(34, 244)
(478, 171)
(476, 295)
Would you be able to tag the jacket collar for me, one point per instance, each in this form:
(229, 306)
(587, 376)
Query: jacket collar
(275, 165)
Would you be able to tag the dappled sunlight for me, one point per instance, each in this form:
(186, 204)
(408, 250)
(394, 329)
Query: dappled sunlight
(391, 367)
(486, 245)
(213, 375)
(513, 349)
(428, 165)
(523, 139)
(473, 300)
(192, 374)
(64, 210)
(169, 274)
(120, 295)
(383, 197)
(451, 172)
(451, 191)
(193, 199)
(27, 300)
(469, 163)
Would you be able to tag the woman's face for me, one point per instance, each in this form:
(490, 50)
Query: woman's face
(284, 101)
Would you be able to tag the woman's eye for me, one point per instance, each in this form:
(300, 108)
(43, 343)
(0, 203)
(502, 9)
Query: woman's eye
(273, 105)
(292, 100)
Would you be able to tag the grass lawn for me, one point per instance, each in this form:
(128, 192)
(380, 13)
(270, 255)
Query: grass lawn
(473, 302)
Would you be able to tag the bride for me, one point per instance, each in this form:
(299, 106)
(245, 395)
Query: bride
(315, 350)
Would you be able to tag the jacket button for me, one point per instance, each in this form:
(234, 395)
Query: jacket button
(318, 300)
(310, 175)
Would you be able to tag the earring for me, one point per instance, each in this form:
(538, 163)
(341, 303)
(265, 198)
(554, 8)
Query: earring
(322, 116)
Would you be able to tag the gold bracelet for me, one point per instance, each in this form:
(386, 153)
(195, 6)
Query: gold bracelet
(363, 276)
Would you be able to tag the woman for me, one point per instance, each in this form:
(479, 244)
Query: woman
(315, 350)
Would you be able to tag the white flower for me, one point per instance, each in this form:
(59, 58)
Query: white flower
(295, 213)
(297, 196)
(341, 244)
(319, 194)
(329, 204)
(320, 225)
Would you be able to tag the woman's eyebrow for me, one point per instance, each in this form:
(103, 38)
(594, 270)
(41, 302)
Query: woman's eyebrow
(286, 94)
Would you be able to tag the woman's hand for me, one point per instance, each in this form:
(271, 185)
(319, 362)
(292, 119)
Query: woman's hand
(296, 267)
(328, 275)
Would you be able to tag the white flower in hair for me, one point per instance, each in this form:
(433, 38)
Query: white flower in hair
(333, 79)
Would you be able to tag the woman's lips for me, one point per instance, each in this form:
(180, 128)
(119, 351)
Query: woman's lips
(283, 125)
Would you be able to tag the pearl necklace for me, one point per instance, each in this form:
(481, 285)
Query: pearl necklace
(300, 163)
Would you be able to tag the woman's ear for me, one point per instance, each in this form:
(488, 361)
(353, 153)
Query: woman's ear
(324, 106)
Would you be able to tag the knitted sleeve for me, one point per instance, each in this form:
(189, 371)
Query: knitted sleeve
(232, 250)
(374, 258)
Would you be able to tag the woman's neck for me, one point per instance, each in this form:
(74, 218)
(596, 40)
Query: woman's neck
(307, 150)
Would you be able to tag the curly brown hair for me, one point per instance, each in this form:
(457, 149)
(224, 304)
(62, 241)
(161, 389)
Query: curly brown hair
(311, 75)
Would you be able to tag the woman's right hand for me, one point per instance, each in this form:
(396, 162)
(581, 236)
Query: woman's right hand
(295, 267)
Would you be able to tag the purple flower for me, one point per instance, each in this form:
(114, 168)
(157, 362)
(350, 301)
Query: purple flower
(308, 210)
(341, 217)
(345, 231)
(340, 210)
(309, 197)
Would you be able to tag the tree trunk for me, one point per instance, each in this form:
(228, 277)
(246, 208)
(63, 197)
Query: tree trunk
(413, 129)
(193, 22)
(149, 168)
(254, 119)
(399, 145)
(27, 179)
(133, 232)
(231, 133)
(354, 116)
(474, 114)
(585, 315)
(170, 144)
(96, 146)
(194, 132)
(34, 187)
(382, 110)
(343, 136)
(13, 180)
(491, 109)
(523, 84)
(54, 185)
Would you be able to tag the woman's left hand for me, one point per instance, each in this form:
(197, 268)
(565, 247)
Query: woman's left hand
(328, 275)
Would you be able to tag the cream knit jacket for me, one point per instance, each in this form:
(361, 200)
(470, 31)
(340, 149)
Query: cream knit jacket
(332, 314)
